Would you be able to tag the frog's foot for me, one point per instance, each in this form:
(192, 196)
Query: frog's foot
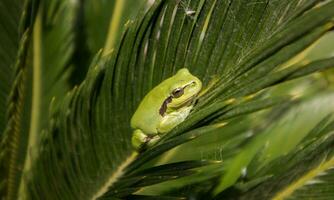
(141, 141)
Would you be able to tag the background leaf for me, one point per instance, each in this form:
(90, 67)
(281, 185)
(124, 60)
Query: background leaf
(15, 104)
(10, 38)
(307, 175)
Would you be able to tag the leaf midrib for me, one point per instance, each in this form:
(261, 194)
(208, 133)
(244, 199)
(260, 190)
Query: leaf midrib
(36, 101)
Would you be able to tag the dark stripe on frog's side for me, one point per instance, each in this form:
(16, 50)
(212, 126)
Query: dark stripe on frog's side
(169, 99)
(163, 107)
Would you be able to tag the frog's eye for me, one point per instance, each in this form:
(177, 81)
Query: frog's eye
(178, 92)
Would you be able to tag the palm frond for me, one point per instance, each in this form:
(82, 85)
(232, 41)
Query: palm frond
(304, 173)
(272, 142)
(86, 151)
(30, 97)
(14, 103)
(10, 40)
(105, 21)
(147, 197)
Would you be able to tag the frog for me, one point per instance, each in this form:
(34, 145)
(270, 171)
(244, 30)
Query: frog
(164, 107)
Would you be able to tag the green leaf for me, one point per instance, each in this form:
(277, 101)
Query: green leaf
(272, 52)
(278, 139)
(16, 72)
(309, 173)
(99, 24)
(105, 21)
(145, 197)
(84, 148)
(156, 175)
(10, 40)
(41, 73)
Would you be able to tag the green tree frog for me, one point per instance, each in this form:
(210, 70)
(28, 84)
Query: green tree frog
(164, 107)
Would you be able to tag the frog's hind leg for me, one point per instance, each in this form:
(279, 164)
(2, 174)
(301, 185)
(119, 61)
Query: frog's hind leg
(141, 141)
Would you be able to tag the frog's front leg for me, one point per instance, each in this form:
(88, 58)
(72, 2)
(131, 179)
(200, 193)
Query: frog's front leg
(141, 141)
(173, 119)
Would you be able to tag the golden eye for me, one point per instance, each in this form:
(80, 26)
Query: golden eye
(178, 92)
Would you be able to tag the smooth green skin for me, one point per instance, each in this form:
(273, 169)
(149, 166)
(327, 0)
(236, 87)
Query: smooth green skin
(148, 122)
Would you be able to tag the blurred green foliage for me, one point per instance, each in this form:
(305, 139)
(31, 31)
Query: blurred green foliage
(74, 71)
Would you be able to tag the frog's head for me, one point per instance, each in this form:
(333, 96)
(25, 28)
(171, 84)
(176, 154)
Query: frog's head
(184, 89)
